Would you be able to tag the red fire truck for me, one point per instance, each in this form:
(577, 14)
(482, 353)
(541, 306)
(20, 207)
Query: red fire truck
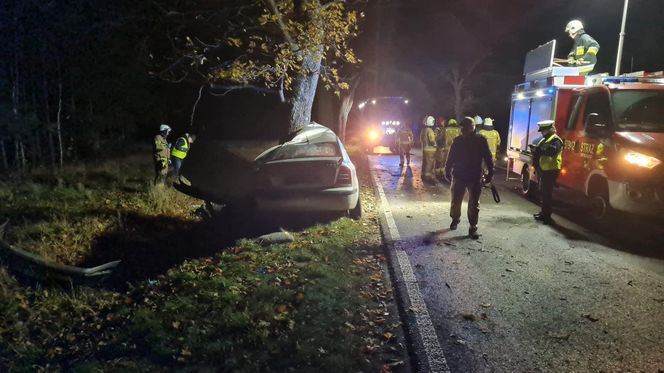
(613, 133)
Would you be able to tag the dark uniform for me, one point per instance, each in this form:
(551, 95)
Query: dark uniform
(548, 163)
(464, 167)
(586, 48)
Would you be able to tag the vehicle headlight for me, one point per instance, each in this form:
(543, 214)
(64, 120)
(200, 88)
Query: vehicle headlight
(373, 135)
(641, 160)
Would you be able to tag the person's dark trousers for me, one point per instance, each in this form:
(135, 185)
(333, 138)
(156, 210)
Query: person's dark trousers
(458, 191)
(177, 163)
(547, 181)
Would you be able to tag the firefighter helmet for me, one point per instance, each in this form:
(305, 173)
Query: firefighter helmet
(478, 120)
(452, 122)
(488, 122)
(573, 26)
(164, 128)
(429, 121)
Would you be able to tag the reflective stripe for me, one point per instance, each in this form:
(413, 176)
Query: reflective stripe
(580, 51)
(593, 50)
(587, 68)
(549, 163)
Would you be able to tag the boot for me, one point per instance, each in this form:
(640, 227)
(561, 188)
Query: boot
(472, 232)
(454, 224)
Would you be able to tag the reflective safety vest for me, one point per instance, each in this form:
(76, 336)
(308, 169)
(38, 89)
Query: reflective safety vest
(551, 163)
(493, 139)
(181, 148)
(451, 133)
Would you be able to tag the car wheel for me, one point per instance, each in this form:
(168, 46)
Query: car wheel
(356, 212)
(528, 187)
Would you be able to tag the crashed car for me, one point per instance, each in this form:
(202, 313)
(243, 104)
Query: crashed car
(311, 172)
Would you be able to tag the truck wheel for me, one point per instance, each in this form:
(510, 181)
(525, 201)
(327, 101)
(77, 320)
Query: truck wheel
(600, 207)
(528, 187)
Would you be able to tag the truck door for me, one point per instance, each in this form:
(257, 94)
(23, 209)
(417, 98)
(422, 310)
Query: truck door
(581, 142)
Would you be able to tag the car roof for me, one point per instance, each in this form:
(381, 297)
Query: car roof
(313, 133)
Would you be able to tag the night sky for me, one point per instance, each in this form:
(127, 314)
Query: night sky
(407, 45)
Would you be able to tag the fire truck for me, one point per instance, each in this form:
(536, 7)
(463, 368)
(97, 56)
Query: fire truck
(381, 118)
(613, 133)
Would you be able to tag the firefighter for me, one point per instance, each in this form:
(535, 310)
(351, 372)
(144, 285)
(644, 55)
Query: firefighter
(478, 123)
(161, 153)
(548, 162)
(464, 167)
(584, 50)
(180, 150)
(439, 158)
(428, 141)
(452, 130)
(492, 137)
(404, 142)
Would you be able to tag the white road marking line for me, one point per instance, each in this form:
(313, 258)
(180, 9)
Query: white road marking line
(427, 333)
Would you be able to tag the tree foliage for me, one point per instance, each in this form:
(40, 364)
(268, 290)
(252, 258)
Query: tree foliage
(280, 46)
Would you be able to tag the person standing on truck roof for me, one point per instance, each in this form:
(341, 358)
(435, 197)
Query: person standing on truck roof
(439, 158)
(492, 137)
(428, 141)
(161, 152)
(464, 167)
(404, 143)
(548, 162)
(585, 48)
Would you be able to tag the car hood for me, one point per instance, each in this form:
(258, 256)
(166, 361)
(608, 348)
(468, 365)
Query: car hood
(653, 141)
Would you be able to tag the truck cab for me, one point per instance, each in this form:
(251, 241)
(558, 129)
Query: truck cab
(613, 133)
(381, 118)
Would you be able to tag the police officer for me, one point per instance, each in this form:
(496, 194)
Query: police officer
(404, 143)
(180, 150)
(548, 162)
(428, 141)
(161, 152)
(464, 167)
(492, 137)
(585, 48)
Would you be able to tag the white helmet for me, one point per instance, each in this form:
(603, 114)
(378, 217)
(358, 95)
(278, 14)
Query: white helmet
(488, 122)
(164, 128)
(429, 121)
(478, 120)
(573, 26)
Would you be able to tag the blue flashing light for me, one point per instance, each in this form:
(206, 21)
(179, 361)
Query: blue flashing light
(550, 91)
(621, 80)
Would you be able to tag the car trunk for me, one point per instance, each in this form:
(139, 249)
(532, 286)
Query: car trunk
(299, 174)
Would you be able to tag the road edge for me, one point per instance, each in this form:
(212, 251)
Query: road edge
(423, 344)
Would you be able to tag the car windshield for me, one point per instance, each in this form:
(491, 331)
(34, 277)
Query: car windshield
(639, 110)
(303, 150)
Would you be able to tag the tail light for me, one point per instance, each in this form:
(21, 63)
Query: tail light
(344, 176)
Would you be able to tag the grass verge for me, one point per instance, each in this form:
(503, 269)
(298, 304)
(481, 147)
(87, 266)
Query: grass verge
(318, 303)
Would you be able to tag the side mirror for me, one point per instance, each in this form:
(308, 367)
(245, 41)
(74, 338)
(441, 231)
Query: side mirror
(595, 124)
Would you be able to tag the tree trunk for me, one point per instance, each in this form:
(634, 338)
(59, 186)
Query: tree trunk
(59, 124)
(304, 91)
(3, 153)
(346, 106)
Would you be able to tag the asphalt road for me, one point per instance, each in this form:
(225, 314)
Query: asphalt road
(525, 297)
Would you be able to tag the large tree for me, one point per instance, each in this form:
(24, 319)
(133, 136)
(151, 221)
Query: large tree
(281, 46)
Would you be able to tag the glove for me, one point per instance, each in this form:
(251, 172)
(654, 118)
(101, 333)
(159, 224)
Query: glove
(163, 163)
